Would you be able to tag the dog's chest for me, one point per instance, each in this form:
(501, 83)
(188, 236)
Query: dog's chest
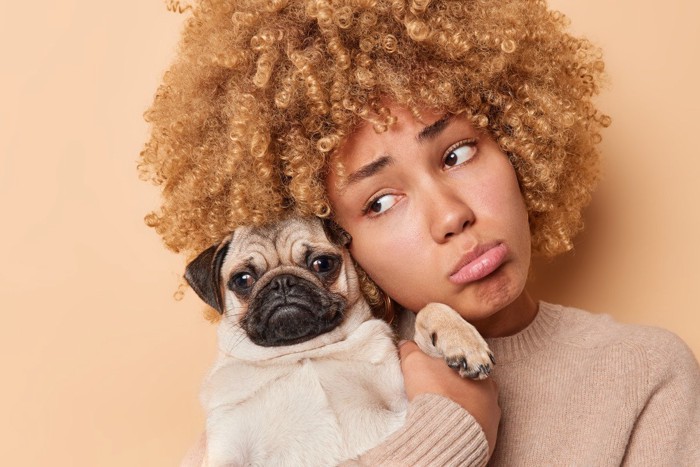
(316, 412)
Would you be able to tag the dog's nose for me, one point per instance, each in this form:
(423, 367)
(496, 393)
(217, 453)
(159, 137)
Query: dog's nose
(283, 283)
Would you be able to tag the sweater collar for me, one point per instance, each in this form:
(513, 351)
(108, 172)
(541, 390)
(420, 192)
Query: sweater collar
(530, 339)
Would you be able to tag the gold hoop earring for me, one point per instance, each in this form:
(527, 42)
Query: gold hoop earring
(389, 309)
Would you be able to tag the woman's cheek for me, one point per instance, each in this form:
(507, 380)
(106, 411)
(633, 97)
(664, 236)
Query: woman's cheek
(392, 261)
(371, 252)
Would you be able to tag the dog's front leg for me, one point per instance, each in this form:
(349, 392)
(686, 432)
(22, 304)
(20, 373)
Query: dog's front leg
(441, 332)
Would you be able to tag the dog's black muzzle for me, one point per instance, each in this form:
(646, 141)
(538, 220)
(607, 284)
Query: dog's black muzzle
(290, 310)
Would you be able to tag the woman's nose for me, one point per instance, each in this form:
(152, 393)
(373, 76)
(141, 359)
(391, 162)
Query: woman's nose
(450, 213)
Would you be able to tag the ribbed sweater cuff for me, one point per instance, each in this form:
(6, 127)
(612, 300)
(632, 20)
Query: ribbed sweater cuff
(437, 431)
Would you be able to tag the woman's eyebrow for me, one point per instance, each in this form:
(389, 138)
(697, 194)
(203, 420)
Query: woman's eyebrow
(368, 170)
(429, 132)
(434, 129)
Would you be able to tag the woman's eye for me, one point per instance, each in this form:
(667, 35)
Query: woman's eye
(382, 203)
(460, 153)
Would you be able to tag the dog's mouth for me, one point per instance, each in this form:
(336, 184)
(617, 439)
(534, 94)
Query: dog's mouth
(291, 310)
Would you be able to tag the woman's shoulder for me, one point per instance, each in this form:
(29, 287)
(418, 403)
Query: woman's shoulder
(656, 346)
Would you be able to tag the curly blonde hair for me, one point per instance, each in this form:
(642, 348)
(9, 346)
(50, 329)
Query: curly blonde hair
(262, 92)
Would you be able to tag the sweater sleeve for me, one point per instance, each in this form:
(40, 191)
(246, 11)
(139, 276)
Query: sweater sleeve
(667, 429)
(437, 431)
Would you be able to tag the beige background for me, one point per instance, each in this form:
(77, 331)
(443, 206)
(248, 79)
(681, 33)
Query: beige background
(102, 367)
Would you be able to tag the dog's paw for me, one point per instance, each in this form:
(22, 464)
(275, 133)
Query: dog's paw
(442, 332)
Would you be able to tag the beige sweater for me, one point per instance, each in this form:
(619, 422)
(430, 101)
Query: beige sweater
(575, 389)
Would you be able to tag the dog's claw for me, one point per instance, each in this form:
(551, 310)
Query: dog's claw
(461, 365)
(481, 372)
(459, 343)
(457, 363)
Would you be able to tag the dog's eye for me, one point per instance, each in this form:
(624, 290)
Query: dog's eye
(242, 282)
(323, 264)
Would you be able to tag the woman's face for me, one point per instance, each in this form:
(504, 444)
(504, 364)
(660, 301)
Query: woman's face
(435, 214)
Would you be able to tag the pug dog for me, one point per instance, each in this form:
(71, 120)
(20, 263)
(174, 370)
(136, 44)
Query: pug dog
(305, 375)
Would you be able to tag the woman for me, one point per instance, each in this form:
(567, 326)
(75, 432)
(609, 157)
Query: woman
(451, 140)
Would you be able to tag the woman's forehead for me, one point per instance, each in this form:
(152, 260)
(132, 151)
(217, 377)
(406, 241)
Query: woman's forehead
(365, 141)
(365, 153)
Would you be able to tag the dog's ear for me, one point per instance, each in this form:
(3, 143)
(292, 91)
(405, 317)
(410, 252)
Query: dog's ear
(204, 275)
(335, 233)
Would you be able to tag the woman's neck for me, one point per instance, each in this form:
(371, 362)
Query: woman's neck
(509, 320)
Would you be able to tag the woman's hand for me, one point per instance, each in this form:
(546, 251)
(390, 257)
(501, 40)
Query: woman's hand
(423, 374)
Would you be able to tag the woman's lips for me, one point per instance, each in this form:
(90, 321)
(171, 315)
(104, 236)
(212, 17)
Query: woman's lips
(479, 263)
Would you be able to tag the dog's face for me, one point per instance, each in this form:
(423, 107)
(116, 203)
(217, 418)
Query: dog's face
(281, 285)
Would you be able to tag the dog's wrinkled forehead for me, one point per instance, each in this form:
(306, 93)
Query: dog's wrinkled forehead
(287, 243)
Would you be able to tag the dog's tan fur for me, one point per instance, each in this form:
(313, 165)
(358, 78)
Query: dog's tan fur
(331, 397)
